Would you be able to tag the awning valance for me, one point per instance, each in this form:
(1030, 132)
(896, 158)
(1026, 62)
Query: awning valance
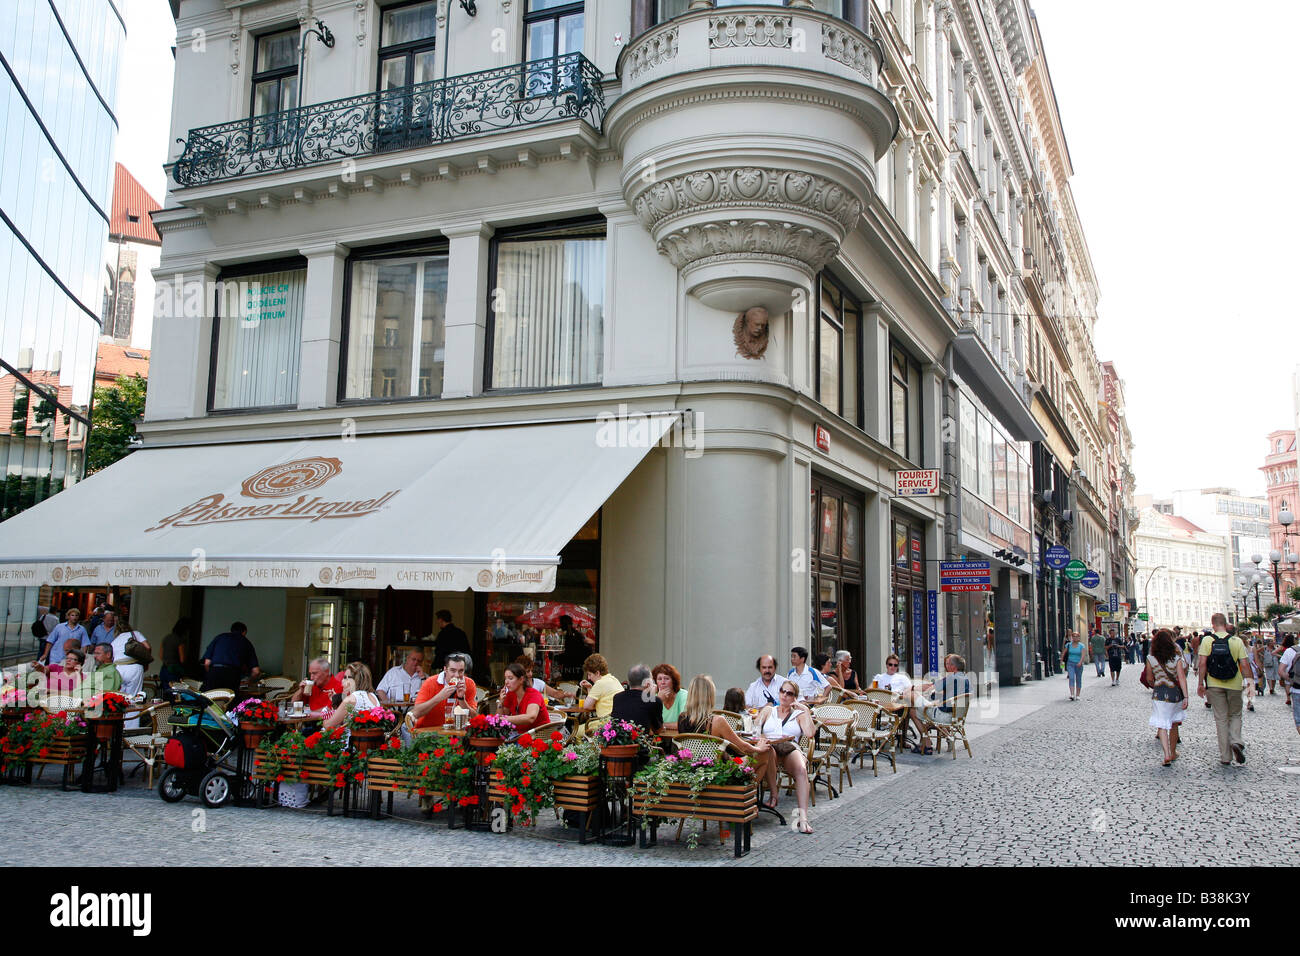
(486, 509)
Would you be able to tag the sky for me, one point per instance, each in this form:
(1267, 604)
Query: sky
(1181, 132)
(1181, 136)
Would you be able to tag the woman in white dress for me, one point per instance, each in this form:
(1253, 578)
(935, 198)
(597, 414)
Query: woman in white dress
(358, 694)
(131, 671)
(1167, 675)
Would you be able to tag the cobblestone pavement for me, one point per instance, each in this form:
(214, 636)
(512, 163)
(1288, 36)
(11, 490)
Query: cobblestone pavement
(1051, 782)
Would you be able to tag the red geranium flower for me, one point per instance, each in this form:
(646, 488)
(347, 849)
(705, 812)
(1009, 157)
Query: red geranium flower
(557, 746)
(440, 752)
(525, 741)
(526, 780)
(556, 735)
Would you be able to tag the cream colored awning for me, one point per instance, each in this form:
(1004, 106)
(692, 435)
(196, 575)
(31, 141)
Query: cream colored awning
(486, 509)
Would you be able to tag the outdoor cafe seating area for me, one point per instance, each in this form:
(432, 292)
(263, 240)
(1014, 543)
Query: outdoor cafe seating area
(610, 781)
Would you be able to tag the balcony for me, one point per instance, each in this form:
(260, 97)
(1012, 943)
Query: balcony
(749, 138)
(428, 114)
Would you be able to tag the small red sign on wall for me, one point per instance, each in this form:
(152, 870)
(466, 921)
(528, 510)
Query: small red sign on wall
(823, 437)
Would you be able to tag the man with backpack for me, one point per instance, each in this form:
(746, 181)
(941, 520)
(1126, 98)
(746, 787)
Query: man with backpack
(1221, 658)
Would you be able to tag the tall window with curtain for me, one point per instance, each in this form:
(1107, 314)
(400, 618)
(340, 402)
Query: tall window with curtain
(552, 28)
(256, 340)
(396, 325)
(547, 308)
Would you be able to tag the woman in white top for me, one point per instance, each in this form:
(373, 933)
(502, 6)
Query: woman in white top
(783, 725)
(358, 694)
(132, 672)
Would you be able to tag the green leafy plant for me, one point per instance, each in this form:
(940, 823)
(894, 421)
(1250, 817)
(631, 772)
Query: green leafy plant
(653, 782)
(581, 759)
(33, 736)
(275, 759)
(117, 408)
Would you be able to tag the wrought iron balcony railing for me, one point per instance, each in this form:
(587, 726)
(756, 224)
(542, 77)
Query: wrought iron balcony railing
(525, 94)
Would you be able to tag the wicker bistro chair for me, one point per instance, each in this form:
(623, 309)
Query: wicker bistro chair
(274, 685)
(875, 732)
(952, 731)
(220, 696)
(734, 720)
(836, 740)
(545, 730)
(58, 702)
(147, 744)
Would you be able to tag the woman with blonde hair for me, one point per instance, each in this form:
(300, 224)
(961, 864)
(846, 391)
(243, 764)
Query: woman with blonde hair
(358, 694)
(783, 725)
(697, 717)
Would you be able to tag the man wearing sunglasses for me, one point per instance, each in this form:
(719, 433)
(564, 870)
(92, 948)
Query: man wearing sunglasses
(894, 678)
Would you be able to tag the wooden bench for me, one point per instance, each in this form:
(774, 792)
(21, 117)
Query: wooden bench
(736, 805)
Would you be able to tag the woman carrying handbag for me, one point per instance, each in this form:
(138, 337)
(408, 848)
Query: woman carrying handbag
(1166, 674)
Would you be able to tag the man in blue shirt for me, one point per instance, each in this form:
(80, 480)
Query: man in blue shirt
(228, 658)
(53, 652)
(106, 631)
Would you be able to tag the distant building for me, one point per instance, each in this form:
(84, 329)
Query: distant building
(1242, 519)
(1283, 495)
(1182, 576)
(118, 361)
(134, 250)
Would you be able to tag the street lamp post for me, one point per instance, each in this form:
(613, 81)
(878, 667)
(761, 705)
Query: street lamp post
(1146, 591)
(1285, 518)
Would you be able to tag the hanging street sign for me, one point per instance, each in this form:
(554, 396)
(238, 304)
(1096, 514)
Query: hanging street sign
(1056, 557)
(1075, 570)
(964, 576)
(1090, 580)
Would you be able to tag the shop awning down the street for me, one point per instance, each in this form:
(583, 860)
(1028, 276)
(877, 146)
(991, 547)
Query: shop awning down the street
(486, 509)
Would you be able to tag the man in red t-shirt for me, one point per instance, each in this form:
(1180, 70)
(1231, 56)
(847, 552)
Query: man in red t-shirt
(320, 686)
(450, 683)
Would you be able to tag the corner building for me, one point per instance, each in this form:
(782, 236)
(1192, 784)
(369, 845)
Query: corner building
(628, 309)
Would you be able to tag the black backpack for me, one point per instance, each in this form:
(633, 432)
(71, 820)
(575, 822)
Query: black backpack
(38, 626)
(1220, 664)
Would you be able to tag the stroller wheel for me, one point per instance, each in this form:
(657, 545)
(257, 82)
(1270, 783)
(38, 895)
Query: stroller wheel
(171, 787)
(215, 790)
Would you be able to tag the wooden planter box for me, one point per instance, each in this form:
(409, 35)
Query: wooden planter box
(316, 777)
(736, 805)
(66, 752)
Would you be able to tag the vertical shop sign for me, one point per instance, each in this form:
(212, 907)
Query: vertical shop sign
(917, 618)
(934, 631)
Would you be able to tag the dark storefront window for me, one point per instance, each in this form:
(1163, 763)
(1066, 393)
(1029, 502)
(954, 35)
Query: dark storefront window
(909, 597)
(836, 567)
(508, 623)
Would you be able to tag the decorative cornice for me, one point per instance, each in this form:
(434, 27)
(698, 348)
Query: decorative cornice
(843, 46)
(728, 190)
(749, 240)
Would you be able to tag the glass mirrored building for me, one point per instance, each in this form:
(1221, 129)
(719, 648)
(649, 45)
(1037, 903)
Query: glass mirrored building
(59, 60)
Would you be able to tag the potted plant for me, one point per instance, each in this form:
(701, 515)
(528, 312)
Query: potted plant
(338, 764)
(369, 728)
(40, 738)
(104, 712)
(620, 742)
(278, 761)
(486, 733)
(256, 718)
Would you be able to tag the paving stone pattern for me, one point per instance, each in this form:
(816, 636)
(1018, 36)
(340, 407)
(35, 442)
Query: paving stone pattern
(1069, 783)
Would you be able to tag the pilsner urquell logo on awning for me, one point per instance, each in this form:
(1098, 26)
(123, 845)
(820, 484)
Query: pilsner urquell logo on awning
(278, 481)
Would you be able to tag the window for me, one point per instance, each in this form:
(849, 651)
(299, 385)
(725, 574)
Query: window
(395, 325)
(985, 435)
(256, 338)
(552, 29)
(838, 350)
(904, 404)
(547, 307)
(407, 40)
(275, 73)
(969, 446)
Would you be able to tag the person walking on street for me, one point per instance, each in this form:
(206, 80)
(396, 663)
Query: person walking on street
(1115, 656)
(1250, 672)
(1289, 673)
(1166, 672)
(1222, 667)
(1073, 658)
(1268, 661)
(1097, 644)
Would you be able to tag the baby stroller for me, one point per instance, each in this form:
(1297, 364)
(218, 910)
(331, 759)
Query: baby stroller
(200, 754)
